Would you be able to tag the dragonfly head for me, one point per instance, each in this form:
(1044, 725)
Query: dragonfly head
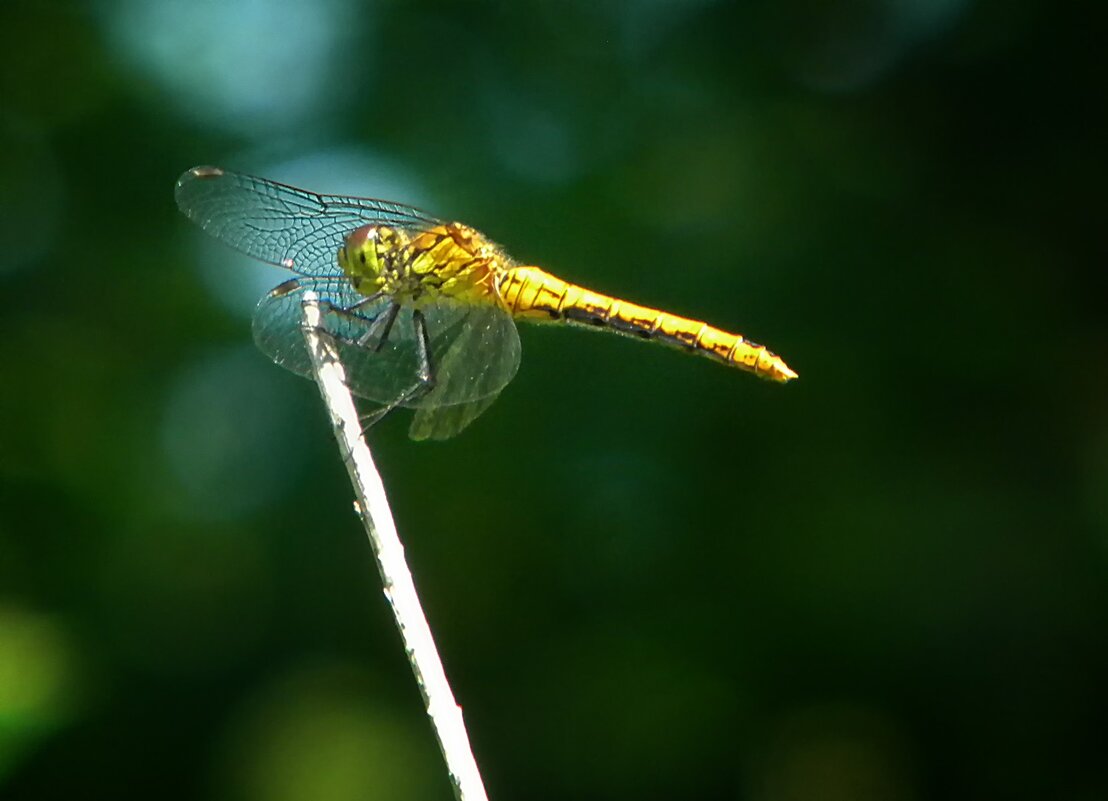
(358, 255)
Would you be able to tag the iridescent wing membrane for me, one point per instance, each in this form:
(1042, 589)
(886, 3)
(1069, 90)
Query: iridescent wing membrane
(473, 349)
(282, 225)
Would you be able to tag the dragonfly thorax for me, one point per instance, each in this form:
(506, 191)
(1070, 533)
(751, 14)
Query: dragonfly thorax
(449, 261)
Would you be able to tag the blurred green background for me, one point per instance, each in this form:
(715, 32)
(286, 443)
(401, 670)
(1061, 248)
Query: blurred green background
(650, 577)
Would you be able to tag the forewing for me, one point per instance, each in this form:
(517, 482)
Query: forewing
(282, 225)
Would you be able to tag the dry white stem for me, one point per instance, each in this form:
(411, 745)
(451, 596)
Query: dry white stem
(373, 507)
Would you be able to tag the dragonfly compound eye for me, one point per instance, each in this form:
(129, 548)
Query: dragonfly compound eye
(358, 256)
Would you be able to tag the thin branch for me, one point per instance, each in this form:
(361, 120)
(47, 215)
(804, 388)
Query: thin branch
(373, 507)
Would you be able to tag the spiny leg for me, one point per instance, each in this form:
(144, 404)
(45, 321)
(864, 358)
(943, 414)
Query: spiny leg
(353, 314)
(425, 376)
(368, 299)
(379, 329)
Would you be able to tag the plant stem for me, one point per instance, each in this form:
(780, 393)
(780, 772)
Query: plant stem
(373, 507)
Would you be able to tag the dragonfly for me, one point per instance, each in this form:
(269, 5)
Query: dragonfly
(422, 311)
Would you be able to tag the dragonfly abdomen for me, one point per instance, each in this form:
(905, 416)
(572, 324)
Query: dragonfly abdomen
(534, 294)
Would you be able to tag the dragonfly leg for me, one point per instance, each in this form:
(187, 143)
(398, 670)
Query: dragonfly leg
(377, 327)
(352, 312)
(426, 372)
(339, 311)
(380, 327)
(425, 376)
(381, 323)
(376, 296)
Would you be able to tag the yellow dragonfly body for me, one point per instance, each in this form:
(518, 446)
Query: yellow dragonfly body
(423, 310)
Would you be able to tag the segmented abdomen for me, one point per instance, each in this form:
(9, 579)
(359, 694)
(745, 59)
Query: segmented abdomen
(534, 294)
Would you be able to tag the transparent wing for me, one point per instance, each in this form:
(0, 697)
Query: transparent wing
(443, 422)
(277, 332)
(474, 353)
(282, 225)
(476, 363)
(474, 350)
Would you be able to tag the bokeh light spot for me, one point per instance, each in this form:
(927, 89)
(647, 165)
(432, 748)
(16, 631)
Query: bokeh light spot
(232, 435)
(323, 732)
(36, 680)
(248, 65)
